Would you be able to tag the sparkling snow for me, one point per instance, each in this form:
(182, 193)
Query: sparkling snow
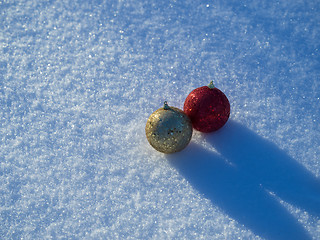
(78, 80)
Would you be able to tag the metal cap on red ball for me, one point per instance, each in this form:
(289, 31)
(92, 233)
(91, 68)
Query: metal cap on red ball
(208, 108)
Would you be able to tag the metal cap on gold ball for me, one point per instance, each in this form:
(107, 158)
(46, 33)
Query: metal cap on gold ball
(168, 129)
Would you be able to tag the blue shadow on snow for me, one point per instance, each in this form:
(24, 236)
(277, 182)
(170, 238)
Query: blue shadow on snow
(240, 178)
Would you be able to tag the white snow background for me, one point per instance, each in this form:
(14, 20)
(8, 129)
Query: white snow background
(78, 80)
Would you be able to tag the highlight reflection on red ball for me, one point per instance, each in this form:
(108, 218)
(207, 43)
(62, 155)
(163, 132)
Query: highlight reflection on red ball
(208, 108)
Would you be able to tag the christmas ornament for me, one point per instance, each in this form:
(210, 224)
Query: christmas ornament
(168, 129)
(208, 108)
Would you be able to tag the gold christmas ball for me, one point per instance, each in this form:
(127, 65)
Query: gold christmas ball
(169, 129)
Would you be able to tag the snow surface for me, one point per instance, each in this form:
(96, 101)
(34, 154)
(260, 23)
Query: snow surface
(78, 80)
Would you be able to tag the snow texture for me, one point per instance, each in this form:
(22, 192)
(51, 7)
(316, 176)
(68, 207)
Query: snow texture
(78, 80)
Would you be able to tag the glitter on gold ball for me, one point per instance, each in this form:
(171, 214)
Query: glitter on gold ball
(169, 129)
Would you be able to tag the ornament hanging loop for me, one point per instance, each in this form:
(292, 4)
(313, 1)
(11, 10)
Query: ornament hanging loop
(165, 105)
(211, 85)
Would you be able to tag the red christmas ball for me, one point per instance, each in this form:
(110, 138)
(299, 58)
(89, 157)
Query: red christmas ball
(208, 108)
